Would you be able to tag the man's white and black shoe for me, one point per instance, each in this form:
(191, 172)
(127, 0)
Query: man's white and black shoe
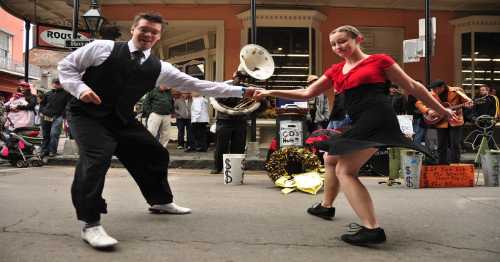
(170, 208)
(97, 237)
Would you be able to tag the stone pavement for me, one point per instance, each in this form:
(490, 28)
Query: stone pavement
(251, 222)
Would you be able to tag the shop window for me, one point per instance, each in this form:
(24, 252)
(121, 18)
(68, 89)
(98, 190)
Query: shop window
(480, 60)
(186, 48)
(290, 49)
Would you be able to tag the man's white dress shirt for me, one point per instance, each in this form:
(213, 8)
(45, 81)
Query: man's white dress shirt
(72, 68)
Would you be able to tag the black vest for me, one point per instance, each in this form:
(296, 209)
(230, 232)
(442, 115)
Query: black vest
(120, 83)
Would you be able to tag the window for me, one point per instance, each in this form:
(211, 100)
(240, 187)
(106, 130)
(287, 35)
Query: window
(480, 60)
(194, 68)
(289, 47)
(186, 48)
(4, 48)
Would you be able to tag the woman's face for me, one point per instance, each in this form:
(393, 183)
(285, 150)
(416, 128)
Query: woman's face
(343, 44)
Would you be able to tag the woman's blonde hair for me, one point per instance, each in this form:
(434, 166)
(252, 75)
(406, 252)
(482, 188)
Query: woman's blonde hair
(351, 30)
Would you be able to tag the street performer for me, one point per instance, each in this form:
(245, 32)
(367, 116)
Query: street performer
(363, 79)
(107, 78)
(449, 132)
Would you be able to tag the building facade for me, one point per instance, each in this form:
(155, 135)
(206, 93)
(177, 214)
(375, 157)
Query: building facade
(204, 38)
(11, 54)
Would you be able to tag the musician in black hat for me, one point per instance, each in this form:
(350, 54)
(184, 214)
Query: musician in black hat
(449, 131)
(106, 79)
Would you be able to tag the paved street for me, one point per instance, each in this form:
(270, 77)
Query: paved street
(253, 222)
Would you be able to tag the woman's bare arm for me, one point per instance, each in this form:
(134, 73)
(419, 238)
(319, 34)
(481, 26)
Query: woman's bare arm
(399, 77)
(318, 87)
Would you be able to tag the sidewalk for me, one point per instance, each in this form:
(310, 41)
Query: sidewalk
(178, 158)
(195, 160)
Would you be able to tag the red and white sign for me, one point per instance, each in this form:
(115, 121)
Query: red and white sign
(54, 37)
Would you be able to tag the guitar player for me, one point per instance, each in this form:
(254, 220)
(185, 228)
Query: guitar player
(449, 133)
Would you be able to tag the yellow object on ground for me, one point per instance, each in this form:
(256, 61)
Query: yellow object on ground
(310, 182)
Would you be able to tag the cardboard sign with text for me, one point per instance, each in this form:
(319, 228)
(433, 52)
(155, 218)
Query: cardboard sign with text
(447, 176)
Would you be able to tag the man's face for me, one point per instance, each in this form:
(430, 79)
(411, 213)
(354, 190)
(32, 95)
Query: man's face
(145, 34)
(56, 85)
(483, 91)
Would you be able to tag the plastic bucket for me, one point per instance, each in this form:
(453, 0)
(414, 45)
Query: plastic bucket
(233, 168)
(490, 162)
(411, 165)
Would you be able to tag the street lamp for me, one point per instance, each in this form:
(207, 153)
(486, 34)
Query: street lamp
(93, 18)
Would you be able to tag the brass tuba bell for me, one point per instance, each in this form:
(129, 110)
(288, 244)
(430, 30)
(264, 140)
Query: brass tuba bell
(256, 62)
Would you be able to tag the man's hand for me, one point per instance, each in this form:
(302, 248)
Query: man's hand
(250, 91)
(88, 96)
(469, 104)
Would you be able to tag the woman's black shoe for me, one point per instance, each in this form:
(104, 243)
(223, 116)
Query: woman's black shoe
(320, 211)
(364, 236)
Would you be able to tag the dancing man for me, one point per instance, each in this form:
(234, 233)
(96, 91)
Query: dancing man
(362, 78)
(107, 78)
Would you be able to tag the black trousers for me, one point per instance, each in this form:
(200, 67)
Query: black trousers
(230, 137)
(449, 140)
(183, 127)
(200, 132)
(141, 154)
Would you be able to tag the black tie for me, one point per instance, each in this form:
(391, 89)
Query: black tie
(137, 56)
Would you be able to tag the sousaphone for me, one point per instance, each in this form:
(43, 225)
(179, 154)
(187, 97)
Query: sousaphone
(257, 63)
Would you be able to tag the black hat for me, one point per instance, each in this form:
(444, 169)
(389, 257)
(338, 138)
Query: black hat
(437, 83)
(55, 81)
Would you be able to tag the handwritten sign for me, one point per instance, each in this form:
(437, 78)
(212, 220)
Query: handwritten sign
(291, 133)
(406, 124)
(447, 176)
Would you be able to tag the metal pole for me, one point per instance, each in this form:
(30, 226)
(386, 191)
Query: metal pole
(76, 12)
(428, 43)
(27, 27)
(253, 126)
(253, 39)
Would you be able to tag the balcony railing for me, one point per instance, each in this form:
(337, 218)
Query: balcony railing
(18, 67)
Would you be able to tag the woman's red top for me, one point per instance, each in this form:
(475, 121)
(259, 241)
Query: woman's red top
(368, 71)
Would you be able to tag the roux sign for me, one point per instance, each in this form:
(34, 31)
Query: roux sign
(54, 37)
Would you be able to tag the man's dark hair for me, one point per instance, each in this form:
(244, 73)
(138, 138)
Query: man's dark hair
(150, 17)
(437, 83)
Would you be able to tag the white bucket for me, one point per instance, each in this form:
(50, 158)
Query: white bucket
(411, 165)
(490, 162)
(233, 168)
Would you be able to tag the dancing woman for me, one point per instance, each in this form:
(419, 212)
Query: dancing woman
(362, 78)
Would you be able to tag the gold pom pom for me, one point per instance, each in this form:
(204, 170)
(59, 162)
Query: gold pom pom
(289, 161)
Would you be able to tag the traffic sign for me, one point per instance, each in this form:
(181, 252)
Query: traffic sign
(76, 43)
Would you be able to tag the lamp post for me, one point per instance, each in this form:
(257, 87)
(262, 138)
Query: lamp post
(93, 18)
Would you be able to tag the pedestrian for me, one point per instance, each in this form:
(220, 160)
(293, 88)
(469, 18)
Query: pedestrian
(107, 79)
(321, 114)
(159, 104)
(199, 122)
(362, 78)
(182, 106)
(21, 108)
(52, 111)
(397, 100)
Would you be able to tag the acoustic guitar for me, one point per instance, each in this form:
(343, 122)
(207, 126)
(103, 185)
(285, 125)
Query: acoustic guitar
(432, 119)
